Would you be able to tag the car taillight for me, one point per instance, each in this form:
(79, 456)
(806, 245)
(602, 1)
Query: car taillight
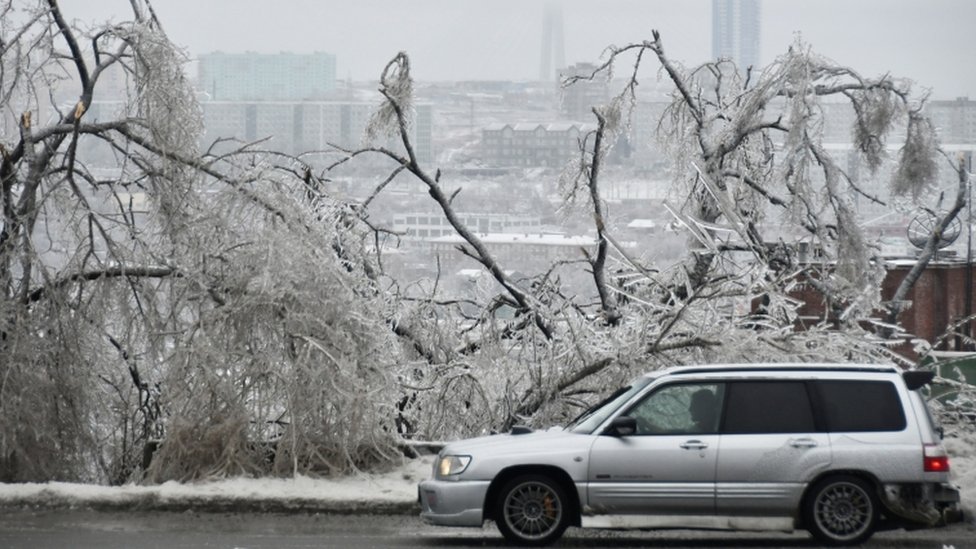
(935, 459)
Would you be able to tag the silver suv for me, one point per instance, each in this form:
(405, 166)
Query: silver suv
(838, 449)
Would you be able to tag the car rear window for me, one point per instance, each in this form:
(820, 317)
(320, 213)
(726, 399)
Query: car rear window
(853, 406)
(768, 407)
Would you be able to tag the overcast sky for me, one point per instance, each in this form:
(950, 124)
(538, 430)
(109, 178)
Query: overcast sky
(929, 41)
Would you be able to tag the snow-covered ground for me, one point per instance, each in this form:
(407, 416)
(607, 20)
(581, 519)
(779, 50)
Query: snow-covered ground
(392, 490)
(962, 463)
(395, 490)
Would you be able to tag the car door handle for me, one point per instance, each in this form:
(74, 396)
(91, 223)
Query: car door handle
(694, 445)
(803, 443)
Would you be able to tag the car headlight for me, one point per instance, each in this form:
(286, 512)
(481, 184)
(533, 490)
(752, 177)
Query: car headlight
(451, 465)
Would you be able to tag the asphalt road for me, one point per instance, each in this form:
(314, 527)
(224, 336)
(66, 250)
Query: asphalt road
(79, 529)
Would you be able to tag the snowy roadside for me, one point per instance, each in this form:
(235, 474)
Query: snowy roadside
(962, 463)
(391, 492)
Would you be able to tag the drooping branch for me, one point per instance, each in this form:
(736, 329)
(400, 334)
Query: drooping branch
(676, 78)
(392, 85)
(77, 58)
(611, 313)
(110, 272)
(538, 396)
(897, 302)
(204, 167)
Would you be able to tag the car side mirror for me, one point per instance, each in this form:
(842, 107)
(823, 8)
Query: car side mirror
(621, 426)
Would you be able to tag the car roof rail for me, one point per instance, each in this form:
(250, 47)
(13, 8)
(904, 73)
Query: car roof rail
(793, 367)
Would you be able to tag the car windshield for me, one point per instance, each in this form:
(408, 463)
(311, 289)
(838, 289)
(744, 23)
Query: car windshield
(590, 419)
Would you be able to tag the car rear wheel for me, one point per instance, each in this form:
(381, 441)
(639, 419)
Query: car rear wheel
(532, 510)
(841, 510)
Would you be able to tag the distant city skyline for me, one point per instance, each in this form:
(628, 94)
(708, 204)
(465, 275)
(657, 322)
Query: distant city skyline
(928, 42)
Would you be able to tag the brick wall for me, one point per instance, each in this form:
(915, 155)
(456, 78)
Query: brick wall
(938, 300)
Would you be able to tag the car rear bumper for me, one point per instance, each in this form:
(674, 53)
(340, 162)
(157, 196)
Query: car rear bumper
(455, 503)
(947, 499)
(929, 504)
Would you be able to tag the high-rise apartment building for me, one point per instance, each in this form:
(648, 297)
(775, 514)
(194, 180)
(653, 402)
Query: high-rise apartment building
(296, 127)
(577, 100)
(954, 120)
(267, 77)
(735, 32)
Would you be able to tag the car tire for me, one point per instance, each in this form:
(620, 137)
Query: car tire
(532, 510)
(841, 510)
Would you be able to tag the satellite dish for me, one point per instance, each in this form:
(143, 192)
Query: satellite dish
(922, 226)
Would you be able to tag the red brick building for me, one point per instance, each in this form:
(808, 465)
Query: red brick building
(938, 300)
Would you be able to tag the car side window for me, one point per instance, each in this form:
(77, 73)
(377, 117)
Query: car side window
(859, 406)
(768, 407)
(688, 408)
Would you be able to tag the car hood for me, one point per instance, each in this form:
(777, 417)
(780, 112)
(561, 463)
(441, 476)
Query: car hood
(550, 440)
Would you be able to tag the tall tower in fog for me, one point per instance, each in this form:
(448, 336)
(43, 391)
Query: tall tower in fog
(553, 56)
(735, 32)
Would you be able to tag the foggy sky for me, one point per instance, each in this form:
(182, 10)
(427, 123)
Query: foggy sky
(929, 41)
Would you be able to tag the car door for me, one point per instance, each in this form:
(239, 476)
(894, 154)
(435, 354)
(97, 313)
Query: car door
(770, 447)
(668, 465)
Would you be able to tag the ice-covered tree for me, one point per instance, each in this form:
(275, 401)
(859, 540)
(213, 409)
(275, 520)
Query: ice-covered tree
(208, 303)
(748, 153)
(747, 150)
(215, 306)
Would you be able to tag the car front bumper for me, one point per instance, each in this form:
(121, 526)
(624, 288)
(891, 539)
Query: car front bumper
(453, 503)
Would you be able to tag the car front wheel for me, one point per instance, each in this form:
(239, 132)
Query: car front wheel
(841, 510)
(532, 510)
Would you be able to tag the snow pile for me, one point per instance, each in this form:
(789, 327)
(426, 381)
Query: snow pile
(962, 463)
(395, 490)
